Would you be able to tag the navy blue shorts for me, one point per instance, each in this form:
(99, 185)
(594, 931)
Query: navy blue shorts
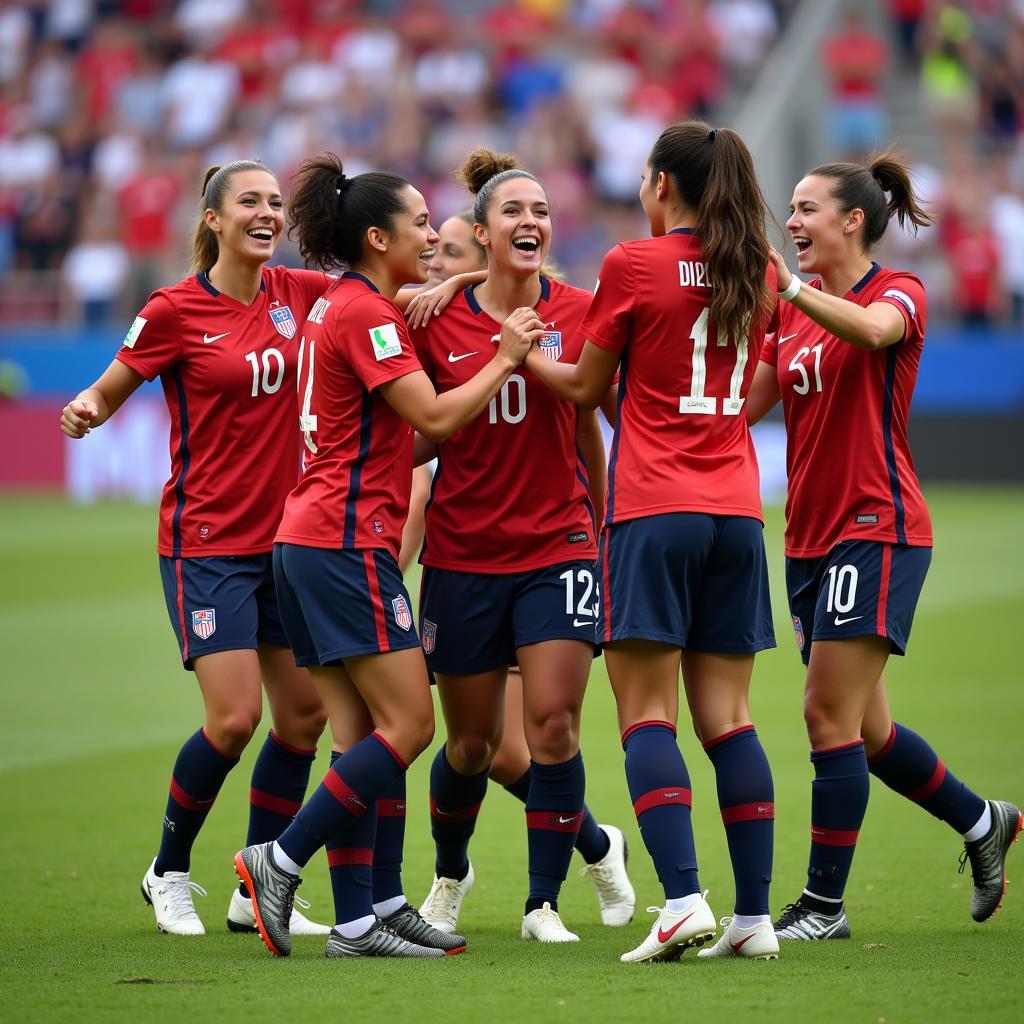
(860, 588)
(338, 604)
(221, 603)
(694, 581)
(474, 622)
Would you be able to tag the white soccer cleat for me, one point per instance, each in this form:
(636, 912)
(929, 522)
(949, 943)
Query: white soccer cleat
(615, 895)
(444, 901)
(545, 925)
(171, 900)
(242, 918)
(756, 943)
(674, 933)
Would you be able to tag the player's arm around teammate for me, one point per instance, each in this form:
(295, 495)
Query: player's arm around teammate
(682, 565)
(844, 363)
(201, 337)
(344, 607)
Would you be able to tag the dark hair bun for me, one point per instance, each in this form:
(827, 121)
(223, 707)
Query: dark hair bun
(483, 164)
(210, 172)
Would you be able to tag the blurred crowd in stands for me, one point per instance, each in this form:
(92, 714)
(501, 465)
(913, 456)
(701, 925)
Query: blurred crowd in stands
(109, 112)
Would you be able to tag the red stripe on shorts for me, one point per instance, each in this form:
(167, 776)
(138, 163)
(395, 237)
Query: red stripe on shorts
(376, 601)
(606, 592)
(181, 609)
(883, 589)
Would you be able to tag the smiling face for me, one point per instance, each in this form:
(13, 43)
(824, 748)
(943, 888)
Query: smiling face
(457, 252)
(822, 233)
(517, 234)
(249, 224)
(411, 246)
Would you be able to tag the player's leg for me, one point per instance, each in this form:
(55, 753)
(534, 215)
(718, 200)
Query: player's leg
(907, 764)
(555, 674)
(602, 847)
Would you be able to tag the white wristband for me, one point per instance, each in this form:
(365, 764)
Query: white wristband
(791, 289)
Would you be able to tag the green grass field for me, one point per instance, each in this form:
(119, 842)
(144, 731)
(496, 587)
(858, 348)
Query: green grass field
(93, 707)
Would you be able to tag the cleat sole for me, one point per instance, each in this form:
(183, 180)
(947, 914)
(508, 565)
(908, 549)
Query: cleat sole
(243, 873)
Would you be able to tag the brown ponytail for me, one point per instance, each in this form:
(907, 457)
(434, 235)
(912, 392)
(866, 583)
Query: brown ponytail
(482, 171)
(216, 182)
(714, 175)
(863, 188)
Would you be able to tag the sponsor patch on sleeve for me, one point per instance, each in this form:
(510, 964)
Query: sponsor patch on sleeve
(134, 331)
(385, 341)
(903, 299)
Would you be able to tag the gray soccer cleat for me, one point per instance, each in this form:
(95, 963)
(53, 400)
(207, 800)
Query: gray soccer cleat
(407, 923)
(988, 859)
(802, 923)
(273, 895)
(380, 940)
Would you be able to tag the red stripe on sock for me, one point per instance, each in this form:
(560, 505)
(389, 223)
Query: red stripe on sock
(390, 808)
(643, 725)
(189, 802)
(883, 589)
(459, 814)
(344, 794)
(375, 601)
(347, 856)
(763, 811)
(662, 798)
(391, 750)
(874, 758)
(833, 836)
(727, 736)
(931, 785)
(277, 804)
(555, 821)
(294, 750)
(181, 609)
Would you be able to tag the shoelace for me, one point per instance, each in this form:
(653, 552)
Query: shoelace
(289, 899)
(302, 903)
(977, 875)
(179, 895)
(445, 896)
(601, 877)
(791, 912)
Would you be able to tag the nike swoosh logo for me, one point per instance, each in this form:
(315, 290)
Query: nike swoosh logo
(583, 622)
(445, 814)
(787, 337)
(565, 821)
(207, 340)
(852, 618)
(665, 936)
(737, 946)
(453, 358)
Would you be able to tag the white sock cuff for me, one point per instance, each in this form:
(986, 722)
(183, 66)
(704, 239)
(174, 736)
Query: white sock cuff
(357, 928)
(283, 861)
(981, 827)
(387, 907)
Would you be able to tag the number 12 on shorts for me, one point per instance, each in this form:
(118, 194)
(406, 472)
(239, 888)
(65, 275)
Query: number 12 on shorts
(588, 589)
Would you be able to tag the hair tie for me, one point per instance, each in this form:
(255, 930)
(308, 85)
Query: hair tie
(340, 184)
(711, 135)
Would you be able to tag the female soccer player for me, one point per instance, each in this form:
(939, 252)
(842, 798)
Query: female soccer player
(682, 563)
(602, 847)
(346, 612)
(844, 363)
(223, 343)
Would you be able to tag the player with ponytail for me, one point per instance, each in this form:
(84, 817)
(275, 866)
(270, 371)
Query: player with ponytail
(682, 567)
(858, 536)
(224, 345)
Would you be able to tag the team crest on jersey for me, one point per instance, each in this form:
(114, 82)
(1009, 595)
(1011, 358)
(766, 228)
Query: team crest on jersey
(798, 629)
(429, 635)
(550, 345)
(204, 623)
(284, 321)
(403, 616)
(378, 525)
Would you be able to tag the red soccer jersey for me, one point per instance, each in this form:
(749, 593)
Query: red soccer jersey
(354, 492)
(851, 474)
(681, 440)
(228, 374)
(510, 493)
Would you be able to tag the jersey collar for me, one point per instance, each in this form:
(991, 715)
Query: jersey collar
(681, 231)
(352, 275)
(204, 279)
(859, 286)
(545, 294)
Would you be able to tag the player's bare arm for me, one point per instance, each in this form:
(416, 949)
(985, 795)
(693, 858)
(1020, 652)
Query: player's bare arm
(763, 395)
(420, 304)
(591, 444)
(436, 416)
(872, 327)
(586, 383)
(95, 405)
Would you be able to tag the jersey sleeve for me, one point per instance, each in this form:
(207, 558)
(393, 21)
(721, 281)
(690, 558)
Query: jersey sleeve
(153, 342)
(313, 284)
(608, 321)
(420, 337)
(907, 294)
(376, 342)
